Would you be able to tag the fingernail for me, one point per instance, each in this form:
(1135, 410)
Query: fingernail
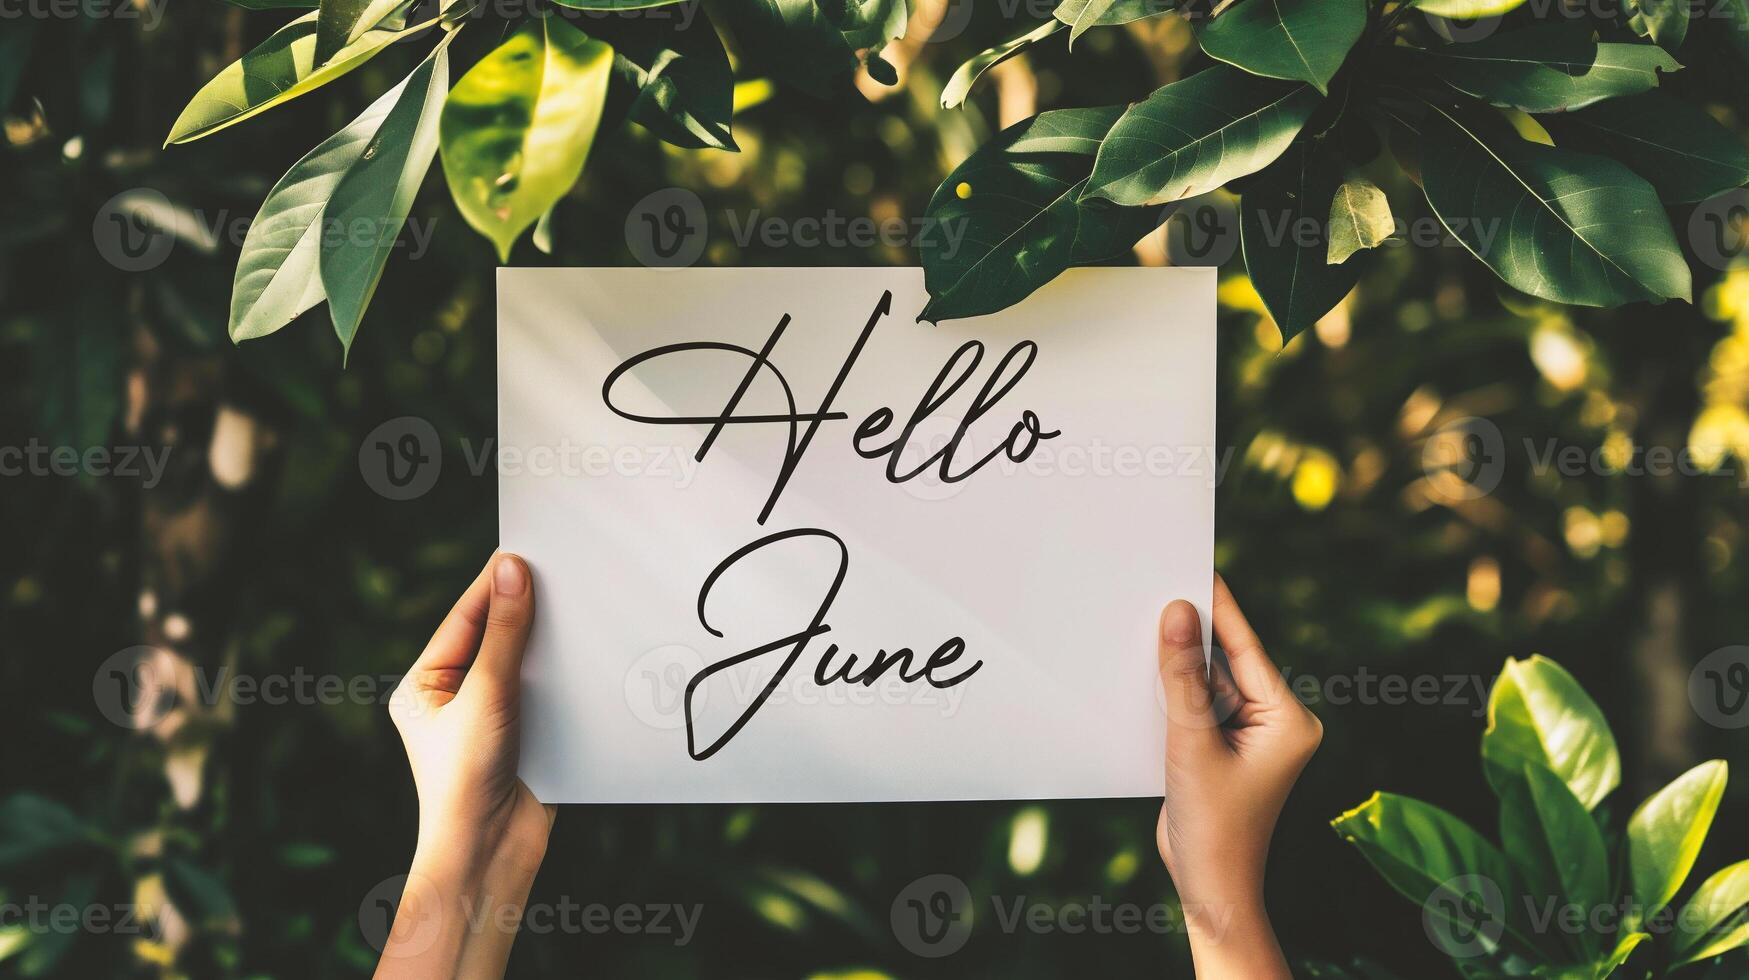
(1179, 624)
(508, 576)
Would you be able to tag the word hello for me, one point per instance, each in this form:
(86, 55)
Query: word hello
(873, 438)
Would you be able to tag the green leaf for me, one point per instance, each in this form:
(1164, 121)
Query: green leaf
(811, 45)
(1360, 218)
(1684, 152)
(1624, 948)
(518, 126)
(1547, 68)
(685, 87)
(33, 827)
(1555, 844)
(1467, 9)
(953, 94)
(1566, 226)
(1666, 832)
(1664, 21)
(277, 274)
(1007, 221)
(1298, 40)
(341, 22)
(1538, 714)
(543, 233)
(371, 202)
(869, 23)
(1716, 919)
(1194, 135)
(1428, 855)
(273, 4)
(278, 70)
(1287, 262)
(1084, 15)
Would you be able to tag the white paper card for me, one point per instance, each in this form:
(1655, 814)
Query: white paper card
(1015, 600)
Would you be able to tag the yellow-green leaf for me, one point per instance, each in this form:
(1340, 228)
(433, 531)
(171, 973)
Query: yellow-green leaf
(1360, 218)
(1467, 9)
(1665, 833)
(277, 276)
(370, 204)
(953, 94)
(1716, 919)
(1084, 15)
(278, 70)
(1556, 845)
(1624, 948)
(1538, 713)
(1433, 858)
(341, 22)
(518, 126)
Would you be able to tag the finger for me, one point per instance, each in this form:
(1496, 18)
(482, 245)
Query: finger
(497, 671)
(1191, 726)
(1254, 675)
(452, 646)
(1226, 694)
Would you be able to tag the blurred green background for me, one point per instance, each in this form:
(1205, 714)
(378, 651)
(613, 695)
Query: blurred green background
(249, 835)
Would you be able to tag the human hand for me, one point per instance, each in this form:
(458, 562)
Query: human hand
(1236, 740)
(482, 834)
(460, 721)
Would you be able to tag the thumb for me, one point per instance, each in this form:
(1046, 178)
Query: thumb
(1191, 726)
(497, 670)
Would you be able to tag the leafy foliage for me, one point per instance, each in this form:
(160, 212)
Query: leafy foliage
(514, 133)
(1582, 224)
(1551, 759)
(282, 68)
(518, 126)
(372, 199)
(1022, 198)
(1299, 40)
